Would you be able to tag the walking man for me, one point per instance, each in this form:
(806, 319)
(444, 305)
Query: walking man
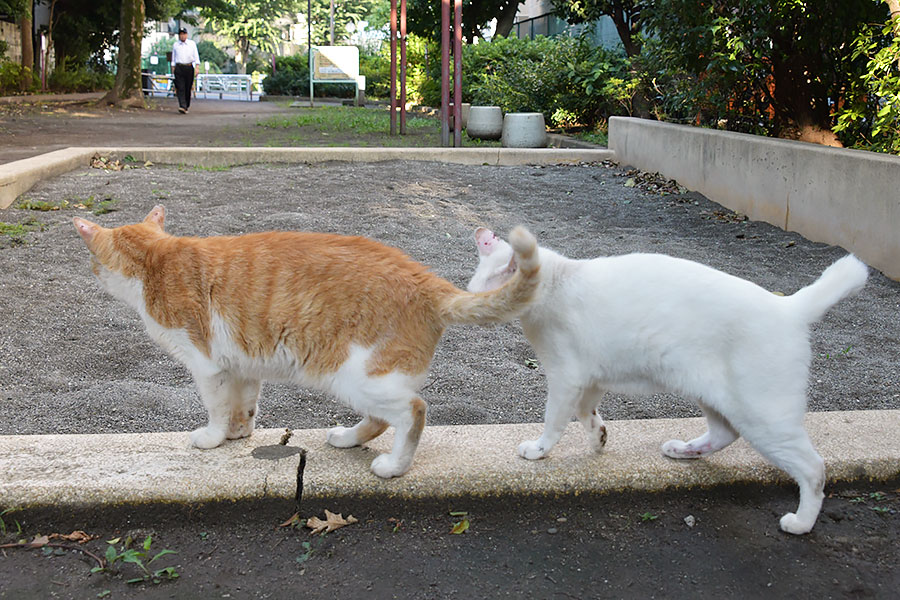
(187, 65)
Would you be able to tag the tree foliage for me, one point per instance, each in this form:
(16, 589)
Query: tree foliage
(869, 116)
(625, 14)
(249, 23)
(770, 66)
(345, 13)
(424, 17)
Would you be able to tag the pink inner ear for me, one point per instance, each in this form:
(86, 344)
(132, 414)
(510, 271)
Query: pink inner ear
(486, 241)
(85, 228)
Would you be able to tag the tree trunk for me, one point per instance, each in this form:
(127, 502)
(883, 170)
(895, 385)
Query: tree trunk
(506, 18)
(25, 29)
(623, 28)
(127, 87)
(894, 7)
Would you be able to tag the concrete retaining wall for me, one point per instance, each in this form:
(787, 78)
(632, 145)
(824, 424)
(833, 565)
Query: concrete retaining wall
(849, 198)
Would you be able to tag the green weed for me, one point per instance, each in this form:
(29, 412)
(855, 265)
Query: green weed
(137, 556)
(647, 516)
(43, 206)
(3, 526)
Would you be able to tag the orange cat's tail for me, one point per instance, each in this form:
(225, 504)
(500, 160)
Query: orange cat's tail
(506, 302)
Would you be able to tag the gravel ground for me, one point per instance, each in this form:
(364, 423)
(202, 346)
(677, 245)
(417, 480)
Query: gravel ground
(74, 360)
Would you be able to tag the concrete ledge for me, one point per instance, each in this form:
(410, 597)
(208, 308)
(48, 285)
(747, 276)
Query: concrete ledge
(837, 196)
(480, 460)
(17, 177)
(221, 157)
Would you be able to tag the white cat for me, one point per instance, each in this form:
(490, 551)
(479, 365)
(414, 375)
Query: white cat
(646, 323)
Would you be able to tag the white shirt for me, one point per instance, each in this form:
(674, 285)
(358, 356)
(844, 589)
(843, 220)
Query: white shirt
(185, 53)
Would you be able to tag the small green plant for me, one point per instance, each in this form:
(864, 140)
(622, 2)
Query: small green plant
(647, 516)
(881, 509)
(42, 205)
(3, 526)
(137, 556)
(16, 231)
(310, 548)
(107, 205)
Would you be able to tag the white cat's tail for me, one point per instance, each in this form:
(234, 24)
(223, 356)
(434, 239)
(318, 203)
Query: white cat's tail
(506, 302)
(844, 278)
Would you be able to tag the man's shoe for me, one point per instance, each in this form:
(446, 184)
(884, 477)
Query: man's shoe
(182, 110)
(186, 110)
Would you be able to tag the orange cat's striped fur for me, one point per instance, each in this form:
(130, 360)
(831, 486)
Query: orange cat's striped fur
(343, 314)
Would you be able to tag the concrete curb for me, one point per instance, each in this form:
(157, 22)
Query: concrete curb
(452, 461)
(17, 177)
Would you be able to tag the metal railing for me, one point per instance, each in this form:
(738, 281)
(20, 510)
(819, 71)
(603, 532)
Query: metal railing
(206, 85)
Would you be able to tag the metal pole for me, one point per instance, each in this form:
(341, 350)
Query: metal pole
(393, 67)
(457, 74)
(402, 67)
(445, 72)
(309, 61)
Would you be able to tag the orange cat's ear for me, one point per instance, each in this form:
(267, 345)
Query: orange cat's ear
(157, 216)
(87, 229)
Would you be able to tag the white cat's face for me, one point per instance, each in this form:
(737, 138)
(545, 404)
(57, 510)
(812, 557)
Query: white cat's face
(496, 262)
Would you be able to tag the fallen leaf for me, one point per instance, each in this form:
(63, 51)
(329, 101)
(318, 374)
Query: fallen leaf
(76, 536)
(39, 541)
(630, 183)
(292, 521)
(460, 527)
(332, 521)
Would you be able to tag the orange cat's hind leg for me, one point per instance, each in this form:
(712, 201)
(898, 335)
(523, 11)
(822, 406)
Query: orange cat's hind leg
(348, 437)
(243, 397)
(409, 426)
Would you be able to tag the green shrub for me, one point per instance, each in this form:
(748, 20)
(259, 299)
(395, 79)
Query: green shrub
(67, 78)
(11, 75)
(291, 78)
(567, 79)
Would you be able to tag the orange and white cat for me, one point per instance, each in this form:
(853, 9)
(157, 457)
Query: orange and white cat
(346, 315)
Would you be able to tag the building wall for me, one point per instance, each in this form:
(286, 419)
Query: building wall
(9, 33)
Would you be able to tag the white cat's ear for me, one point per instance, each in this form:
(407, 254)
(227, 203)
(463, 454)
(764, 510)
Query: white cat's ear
(157, 216)
(86, 229)
(485, 240)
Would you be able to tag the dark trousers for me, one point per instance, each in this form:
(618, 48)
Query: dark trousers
(184, 81)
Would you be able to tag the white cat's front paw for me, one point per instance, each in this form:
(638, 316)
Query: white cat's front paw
(341, 437)
(680, 449)
(386, 467)
(597, 437)
(206, 437)
(532, 450)
(791, 524)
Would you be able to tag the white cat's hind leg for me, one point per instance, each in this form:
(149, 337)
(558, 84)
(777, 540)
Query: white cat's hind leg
(214, 392)
(560, 409)
(793, 453)
(244, 399)
(348, 437)
(588, 413)
(719, 434)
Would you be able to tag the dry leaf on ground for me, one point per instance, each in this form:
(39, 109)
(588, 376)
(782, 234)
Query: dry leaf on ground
(331, 522)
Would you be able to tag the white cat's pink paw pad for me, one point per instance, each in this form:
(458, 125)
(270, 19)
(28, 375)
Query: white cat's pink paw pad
(532, 450)
(386, 467)
(680, 449)
(207, 438)
(341, 437)
(791, 524)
